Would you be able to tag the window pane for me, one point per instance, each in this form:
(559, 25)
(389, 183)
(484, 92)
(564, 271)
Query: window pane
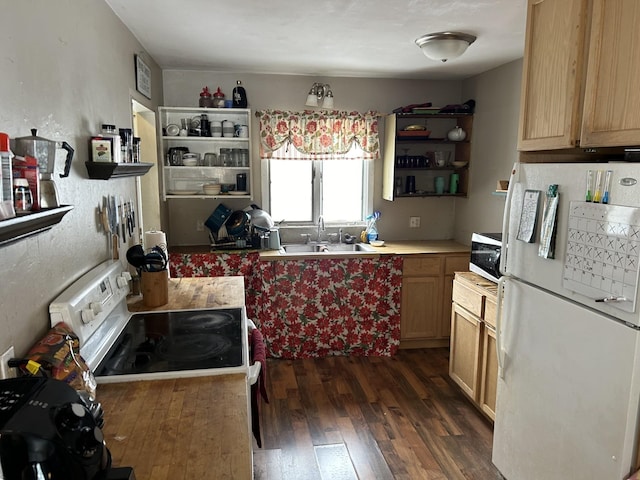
(291, 190)
(342, 190)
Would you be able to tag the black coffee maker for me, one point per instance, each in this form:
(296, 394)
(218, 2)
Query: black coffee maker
(48, 431)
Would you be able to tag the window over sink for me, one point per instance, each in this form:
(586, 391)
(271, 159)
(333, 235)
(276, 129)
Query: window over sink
(318, 164)
(339, 188)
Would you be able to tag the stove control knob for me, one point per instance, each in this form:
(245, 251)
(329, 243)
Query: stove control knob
(123, 280)
(96, 307)
(87, 315)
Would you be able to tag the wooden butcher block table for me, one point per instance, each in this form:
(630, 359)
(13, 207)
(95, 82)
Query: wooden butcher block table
(183, 428)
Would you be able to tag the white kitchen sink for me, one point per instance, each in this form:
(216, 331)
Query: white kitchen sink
(331, 248)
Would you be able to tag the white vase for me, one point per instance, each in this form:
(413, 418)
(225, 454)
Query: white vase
(456, 134)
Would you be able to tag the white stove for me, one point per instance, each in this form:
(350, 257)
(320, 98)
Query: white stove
(122, 346)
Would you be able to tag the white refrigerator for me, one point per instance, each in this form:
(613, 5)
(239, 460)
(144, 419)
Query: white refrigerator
(568, 341)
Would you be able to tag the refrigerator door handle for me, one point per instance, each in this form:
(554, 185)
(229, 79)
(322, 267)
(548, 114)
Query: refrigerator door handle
(499, 349)
(506, 218)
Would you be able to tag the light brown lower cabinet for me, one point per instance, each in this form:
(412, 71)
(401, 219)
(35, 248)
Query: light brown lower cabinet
(473, 361)
(489, 370)
(427, 283)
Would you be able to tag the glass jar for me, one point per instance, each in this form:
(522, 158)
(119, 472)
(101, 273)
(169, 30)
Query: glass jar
(244, 157)
(218, 99)
(22, 196)
(225, 157)
(236, 161)
(136, 150)
(205, 100)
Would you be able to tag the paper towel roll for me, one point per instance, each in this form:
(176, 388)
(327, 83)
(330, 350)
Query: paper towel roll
(154, 238)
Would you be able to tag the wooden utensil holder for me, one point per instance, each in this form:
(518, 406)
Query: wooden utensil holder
(155, 288)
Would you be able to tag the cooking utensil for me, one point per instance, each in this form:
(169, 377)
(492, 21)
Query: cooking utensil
(44, 151)
(154, 261)
(218, 218)
(113, 226)
(160, 250)
(136, 256)
(238, 222)
(260, 219)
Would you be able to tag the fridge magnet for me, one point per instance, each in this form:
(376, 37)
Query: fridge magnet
(529, 216)
(143, 77)
(549, 224)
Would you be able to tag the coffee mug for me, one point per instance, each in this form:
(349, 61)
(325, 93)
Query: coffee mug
(439, 184)
(242, 131)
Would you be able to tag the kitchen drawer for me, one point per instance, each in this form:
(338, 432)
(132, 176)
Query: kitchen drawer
(421, 265)
(456, 264)
(468, 298)
(490, 306)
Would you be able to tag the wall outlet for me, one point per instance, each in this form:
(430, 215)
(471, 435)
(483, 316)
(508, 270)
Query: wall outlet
(5, 371)
(414, 222)
(199, 226)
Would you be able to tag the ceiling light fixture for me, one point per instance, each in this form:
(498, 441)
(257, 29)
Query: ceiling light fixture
(444, 46)
(320, 94)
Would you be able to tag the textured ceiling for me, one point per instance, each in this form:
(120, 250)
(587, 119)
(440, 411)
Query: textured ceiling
(334, 38)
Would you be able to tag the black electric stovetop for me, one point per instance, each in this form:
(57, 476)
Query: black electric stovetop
(176, 341)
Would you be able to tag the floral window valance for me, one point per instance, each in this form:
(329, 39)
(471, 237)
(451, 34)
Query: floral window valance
(317, 133)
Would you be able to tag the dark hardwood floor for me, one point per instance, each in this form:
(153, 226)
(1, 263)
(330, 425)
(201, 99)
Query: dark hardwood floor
(345, 418)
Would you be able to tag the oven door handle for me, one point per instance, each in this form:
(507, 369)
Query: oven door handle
(254, 372)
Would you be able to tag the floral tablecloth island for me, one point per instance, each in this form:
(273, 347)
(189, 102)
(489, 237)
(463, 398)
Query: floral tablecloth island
(313, 307)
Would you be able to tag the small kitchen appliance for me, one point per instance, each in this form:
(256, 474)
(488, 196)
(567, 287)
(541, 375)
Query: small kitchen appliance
(48, 431)
(44, 151)
(485, 255)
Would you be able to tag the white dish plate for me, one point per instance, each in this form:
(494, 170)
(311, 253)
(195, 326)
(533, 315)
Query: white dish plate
(238, 192)
(377, 243)
(183, 192)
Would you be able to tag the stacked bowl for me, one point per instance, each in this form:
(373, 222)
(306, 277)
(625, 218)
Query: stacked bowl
(211, 188)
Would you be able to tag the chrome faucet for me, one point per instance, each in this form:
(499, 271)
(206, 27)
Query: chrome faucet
(340, 235)
(320, 227)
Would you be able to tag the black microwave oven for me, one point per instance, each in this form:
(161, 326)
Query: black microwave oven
(485, 255)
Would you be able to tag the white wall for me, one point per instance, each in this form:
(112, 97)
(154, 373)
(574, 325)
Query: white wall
(67, 67)
(493, 150)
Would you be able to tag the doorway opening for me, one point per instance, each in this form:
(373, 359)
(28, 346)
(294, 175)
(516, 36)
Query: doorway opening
(147, 186)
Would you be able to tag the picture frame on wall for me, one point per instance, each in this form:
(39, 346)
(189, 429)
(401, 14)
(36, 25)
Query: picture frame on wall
(143, 77)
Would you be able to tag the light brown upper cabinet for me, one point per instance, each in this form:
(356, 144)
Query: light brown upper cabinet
(611, 115)
(581, 63)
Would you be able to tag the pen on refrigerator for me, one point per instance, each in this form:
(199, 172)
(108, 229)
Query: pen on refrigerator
(597, 196)
(588, 196)
(607, 186)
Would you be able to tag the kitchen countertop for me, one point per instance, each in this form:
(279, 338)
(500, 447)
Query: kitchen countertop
(416, 247)
(183, 428)
(400, 247)
(200, 292)
(488, 287)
